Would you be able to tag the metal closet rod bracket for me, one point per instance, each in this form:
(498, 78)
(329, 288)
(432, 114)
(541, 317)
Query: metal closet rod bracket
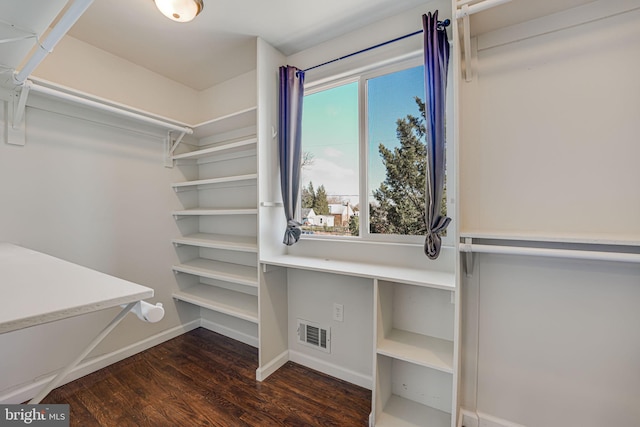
(16, 109)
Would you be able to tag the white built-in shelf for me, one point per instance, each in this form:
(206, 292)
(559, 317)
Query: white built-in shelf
(219, 149)
(400, 412)
(412, 276)
(232, 303)
(220, 125)
(194, 185)
(225, 271)
(219, 241)
(419, 349)
(211, 212)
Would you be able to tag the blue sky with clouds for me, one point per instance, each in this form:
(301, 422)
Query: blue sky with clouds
(330, 129)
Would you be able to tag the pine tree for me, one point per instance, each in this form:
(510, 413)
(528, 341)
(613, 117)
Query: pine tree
(320, 203)
(401, 197)
(308, 196)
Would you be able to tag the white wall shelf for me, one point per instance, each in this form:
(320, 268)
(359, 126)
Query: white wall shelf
(246, 144)
(213, 212)
(232, 303)
(400, 412)
(221, 125)
(195, 185)
(225, 271)
(219, 241)
(423, 350)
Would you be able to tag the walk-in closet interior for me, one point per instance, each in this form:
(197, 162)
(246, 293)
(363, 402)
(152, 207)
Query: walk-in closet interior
(141, 170)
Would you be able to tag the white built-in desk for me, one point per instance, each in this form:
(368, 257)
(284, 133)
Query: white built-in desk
(38, 288)
(413, 276)
(413, 331)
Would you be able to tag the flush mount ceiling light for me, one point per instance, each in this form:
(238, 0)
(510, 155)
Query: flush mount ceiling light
(180, 10)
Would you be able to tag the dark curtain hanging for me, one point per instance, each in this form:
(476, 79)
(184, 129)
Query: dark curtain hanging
(290, 146)
(436, 64)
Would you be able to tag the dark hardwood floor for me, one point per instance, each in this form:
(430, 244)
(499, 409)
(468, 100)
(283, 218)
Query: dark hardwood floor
(205, 379)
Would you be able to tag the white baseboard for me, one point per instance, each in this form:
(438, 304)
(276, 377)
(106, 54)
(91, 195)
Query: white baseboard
(263, 372)
(26, 392)
(480, 419)
(228, 332)
(331, 369)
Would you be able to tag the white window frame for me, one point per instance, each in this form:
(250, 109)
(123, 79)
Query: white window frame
(361, 76)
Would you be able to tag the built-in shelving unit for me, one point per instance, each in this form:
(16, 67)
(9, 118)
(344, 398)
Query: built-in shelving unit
(415, 358)
(218, 255)
(415, 351)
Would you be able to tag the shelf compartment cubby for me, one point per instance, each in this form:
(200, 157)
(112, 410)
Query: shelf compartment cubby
(430, 352)
(415, 324)
(409, 395)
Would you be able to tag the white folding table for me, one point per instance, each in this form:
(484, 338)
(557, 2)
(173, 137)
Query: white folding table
(37, 288)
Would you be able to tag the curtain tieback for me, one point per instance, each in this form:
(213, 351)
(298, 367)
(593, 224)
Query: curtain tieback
(292, 233)
(433, 241)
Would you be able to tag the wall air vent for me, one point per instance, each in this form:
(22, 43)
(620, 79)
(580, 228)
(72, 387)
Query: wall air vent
(314, 335)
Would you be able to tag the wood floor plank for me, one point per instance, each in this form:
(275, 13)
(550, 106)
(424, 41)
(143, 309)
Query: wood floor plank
(205, 379)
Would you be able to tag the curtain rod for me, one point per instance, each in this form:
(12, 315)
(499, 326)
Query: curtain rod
(441, 25)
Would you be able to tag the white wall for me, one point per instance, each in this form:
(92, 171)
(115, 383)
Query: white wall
(311, 297)
(549, 148)
(233, 95)
(558, 341)
(83, 67)
(98, 196)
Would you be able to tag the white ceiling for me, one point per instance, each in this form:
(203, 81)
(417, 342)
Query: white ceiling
(220, 42)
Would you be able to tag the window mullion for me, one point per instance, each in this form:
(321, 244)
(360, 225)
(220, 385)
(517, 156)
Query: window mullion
(363, 135)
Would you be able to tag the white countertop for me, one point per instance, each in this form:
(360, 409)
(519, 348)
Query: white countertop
(37, 288)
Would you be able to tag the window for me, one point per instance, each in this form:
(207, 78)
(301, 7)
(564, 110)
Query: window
(363, 142)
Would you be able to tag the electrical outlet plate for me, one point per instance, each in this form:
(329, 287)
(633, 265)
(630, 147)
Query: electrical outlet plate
(338, 312)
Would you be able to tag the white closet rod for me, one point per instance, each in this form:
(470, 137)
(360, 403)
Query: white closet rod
(109, 108)
(57, 33)
(551, 253)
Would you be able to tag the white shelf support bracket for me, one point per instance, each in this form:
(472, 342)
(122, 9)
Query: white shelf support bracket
(16, 124)
(93, 344)
(148, 312)
(468, 256)
(463, 13)
(171, 146)
(466, 34)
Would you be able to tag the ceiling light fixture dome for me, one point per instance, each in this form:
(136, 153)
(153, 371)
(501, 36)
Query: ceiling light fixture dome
(180, 10)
